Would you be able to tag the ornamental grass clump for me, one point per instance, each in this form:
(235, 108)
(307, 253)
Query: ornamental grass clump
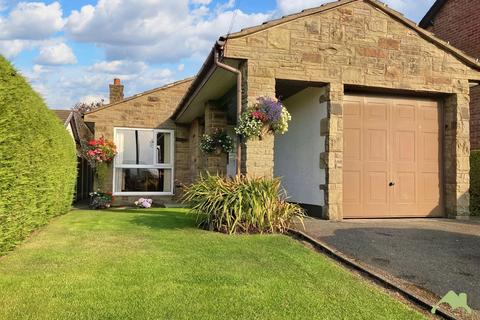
(241, 205)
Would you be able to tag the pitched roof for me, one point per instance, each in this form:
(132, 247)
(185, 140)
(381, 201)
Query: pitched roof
(428, 36)
(427, 21)
(379, 5)
(167, 86)
(63, 115)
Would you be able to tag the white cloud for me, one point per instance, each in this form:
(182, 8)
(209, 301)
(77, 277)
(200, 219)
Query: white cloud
(181, 67)
(91, 99)
(411, 8)
(11, 48)
(57, 54)
(119, 67)
(63, 86)
(3, 5)
(31, 21)
(293, 6)
(202, 2)
(154, 30)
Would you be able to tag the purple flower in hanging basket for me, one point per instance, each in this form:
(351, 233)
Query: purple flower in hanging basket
(271, 107)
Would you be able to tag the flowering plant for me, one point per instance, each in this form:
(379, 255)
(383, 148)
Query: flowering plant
(219, 141)
(101, 200)
(266, 115)
(143, 203)
(99, 151)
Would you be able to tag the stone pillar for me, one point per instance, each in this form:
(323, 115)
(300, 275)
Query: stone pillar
(215, 119)
(196, 157)
(332, 158)
(457, 156)
(257, 154)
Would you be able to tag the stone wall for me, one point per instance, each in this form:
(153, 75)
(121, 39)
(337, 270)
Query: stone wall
(458, 23)
(457, 155)
(215, 119)
(356, 45)
(151, 110)
(197, 129)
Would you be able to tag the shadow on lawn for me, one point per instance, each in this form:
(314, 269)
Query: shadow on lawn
(163, 220)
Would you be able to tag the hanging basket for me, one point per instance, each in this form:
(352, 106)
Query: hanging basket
(265, 130)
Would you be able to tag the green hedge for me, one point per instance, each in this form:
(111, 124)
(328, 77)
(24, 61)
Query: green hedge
(37, 160)
(475, 182)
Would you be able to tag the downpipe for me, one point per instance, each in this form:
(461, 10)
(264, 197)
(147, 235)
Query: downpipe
(238, 73)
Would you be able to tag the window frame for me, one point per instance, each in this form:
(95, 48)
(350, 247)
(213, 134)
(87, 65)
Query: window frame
(156, 165)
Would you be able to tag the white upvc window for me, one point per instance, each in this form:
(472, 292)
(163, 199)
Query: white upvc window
(144, 163)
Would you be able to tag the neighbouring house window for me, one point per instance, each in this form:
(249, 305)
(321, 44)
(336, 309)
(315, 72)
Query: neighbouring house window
(144, 163)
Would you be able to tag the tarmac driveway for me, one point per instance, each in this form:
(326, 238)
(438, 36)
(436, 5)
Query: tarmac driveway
(437, 255)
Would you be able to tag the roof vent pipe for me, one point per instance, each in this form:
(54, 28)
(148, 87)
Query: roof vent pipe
(238, 73)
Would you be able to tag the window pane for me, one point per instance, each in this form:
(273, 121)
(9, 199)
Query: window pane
(143, 180)
(164, 147)
(134, 146)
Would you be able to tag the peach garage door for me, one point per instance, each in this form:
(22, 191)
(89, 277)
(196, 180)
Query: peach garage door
(392, 158)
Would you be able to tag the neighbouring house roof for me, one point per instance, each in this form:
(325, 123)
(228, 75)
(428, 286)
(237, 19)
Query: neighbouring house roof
(167, 86)
(208, 65)
(78, 129)
(63, 115)
(427, 21)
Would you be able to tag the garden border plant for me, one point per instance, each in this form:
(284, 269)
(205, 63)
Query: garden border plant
(100, 153)
(241, 204)
(38, 164)
(475, 182)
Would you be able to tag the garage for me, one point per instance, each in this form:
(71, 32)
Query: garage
(392, 165)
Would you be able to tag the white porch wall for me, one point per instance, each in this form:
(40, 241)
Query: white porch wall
(297, 153)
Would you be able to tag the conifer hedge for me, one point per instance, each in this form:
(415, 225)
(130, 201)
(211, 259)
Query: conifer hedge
(475, 182)
(37, 160)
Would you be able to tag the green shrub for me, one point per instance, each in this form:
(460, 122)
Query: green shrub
(475, 183)
(37, 160)
(241, 205)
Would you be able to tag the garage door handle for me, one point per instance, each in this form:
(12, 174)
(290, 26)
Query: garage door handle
(391, 184)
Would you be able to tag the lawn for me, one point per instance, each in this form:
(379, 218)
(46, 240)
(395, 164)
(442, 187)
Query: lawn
(156, 265)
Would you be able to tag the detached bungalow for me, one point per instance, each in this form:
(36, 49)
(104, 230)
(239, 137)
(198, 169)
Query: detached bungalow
(380, 114)
(153, 151)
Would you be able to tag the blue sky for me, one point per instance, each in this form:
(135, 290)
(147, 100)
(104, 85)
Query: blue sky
(70, 50)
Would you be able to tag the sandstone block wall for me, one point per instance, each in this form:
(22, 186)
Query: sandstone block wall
(150, 110)
(356, 46)
(458, 23)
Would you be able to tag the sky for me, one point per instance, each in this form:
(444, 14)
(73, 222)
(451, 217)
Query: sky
(70, 50)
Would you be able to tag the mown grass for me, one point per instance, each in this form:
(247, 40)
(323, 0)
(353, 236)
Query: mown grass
(155, 264)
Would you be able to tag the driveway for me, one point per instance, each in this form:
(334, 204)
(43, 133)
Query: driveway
(436, 255)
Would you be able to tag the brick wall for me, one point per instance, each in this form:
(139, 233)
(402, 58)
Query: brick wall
(355, 45)
(458, 22)
(150, 110)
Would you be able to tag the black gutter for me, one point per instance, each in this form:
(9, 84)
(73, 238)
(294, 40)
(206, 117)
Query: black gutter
(200, 79)
(427, 21)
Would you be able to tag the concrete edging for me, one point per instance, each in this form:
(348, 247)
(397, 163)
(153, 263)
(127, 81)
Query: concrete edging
(368, 272)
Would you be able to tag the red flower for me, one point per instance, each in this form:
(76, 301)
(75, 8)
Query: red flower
(92, 143)
(260, 116)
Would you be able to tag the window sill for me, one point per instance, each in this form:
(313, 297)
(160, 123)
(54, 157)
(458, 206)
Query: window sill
(127, 194)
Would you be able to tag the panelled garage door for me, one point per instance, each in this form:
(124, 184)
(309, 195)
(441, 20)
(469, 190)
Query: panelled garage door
(392, 158)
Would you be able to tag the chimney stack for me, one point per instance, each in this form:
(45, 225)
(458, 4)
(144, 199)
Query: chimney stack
(116, 91)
